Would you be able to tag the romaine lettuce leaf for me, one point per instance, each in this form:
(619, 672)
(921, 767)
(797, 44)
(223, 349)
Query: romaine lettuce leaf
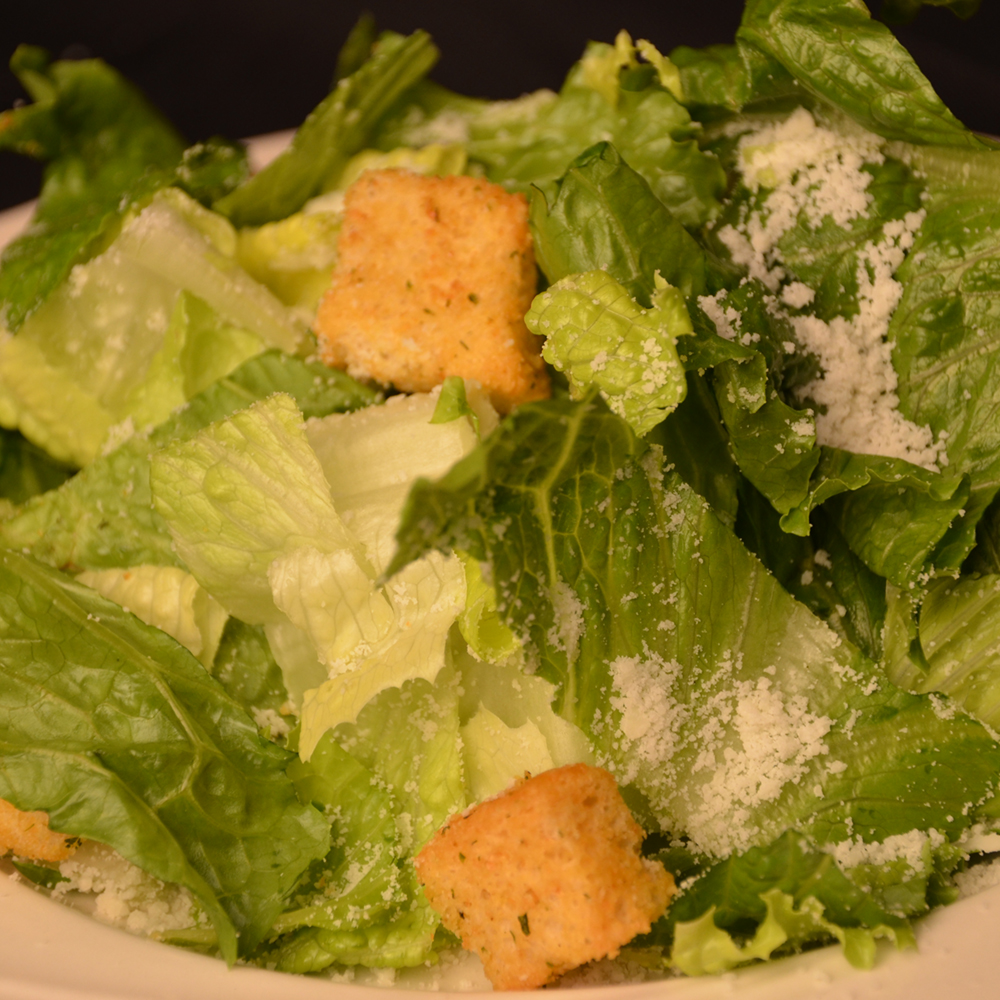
(339, 127)
(115, 344)
(596, 333)
(424, 599)
(168, 598)
(602, 213)
(242, 492)
(294, 256)
(359, 882)
(103, 517)
(533, 140)
(139, 748)
(781, 896)
(946, 640)
(371, 456)
(838, 52)
(399, 782)
(104, 143)
(247, 671)
(571, 510)
(495, 754)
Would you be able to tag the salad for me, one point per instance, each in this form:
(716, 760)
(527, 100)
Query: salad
(265, 626)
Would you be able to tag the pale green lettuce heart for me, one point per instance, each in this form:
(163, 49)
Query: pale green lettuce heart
(427, 596)
(240, 493)
(495, 754)
(599, 336)
(170, 599)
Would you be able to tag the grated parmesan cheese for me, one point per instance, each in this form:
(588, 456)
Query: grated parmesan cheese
(751, 742)
(802, 171)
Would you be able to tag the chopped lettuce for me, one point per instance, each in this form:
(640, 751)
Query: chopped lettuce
(103, 144)
(239, 494)
(602, 213)
(732, 710)
(776, 630)
(103, 516)
(141, 749)
(170, 599)
(337, 129)
(532, 140)
(183, 314)
(598, 336)
(864, 70)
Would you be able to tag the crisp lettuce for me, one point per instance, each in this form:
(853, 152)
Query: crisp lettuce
(864, 70)
(104, 145)
(598, 336)
(239, 494)
(602, 213)
(137, 330)
(141, 749)
(337, 129)
(170, 599)
(397, 781)
(570, 510)
(532, 140)
(103, 516)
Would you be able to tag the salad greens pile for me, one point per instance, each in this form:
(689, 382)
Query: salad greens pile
(263, 628)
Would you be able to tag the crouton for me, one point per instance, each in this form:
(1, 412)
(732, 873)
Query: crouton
(544, 877)
(433, 278)
(27, 835)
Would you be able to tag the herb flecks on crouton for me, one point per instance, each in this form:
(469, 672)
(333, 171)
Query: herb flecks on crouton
(27, 835)
(433, 278)
(545, 877)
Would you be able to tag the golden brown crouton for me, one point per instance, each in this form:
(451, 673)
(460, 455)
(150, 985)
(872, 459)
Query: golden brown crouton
(545, 877)
(27, 835)
(433, 278)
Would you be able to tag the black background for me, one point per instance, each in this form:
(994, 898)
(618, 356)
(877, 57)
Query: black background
(246, 67)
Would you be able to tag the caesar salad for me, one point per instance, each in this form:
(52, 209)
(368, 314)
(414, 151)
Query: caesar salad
(328, 516)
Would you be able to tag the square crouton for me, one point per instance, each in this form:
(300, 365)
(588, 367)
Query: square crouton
(27, 835)
(433, 278)
(545, 877)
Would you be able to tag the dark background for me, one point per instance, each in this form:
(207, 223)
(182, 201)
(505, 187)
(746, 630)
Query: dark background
(246, 67)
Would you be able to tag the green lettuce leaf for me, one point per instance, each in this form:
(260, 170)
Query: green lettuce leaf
(103, 517)
(596, 333)
(103, 142)
(720, 79)
(421, 604)
(820, 570)
(245, 667)
(370, 457)
(140, 749)
(837, 52)
(941, 334)
(696, 443)
(132, 363)
(240, 493)
(339, 127)
(397, 781)
(946, 640)
(168, 598)
(534, 139)
(571, 510)
(602, 213)
(294, 257)
(784, 895)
